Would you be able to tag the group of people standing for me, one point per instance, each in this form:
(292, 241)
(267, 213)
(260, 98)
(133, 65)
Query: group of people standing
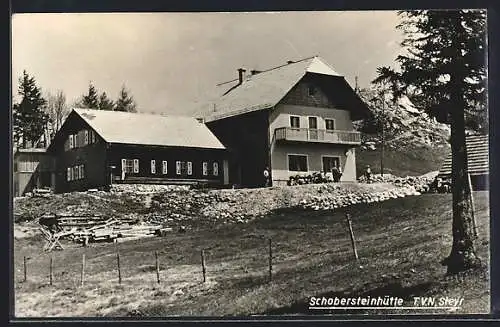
(336, 175)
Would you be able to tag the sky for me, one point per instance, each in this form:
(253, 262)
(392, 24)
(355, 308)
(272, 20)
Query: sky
(170, 62)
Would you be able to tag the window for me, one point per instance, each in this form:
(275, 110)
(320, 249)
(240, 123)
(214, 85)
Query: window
(92, 137)
(189, 168)
(329, 124)
(205, 168)
(164, 167)
(71, 142)
(68, 174)
(178, 167)
(82, 171)
(153, 166)
(295, 121)
(297, 162)
(86, 137)
(216, 169)
(128, 166)
(136, 166)
(329, 163)
(311, 90)
(313, 122)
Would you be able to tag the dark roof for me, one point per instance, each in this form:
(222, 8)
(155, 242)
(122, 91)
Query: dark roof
(266, 89)
(477, 156)
(149, 129)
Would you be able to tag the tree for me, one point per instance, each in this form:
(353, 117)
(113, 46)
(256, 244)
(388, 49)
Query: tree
(105, 103)
(90, 99)
(125, 102)
(29, 118)
(57, 111)
(444, 72)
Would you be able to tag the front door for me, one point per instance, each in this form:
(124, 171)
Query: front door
(313, 128)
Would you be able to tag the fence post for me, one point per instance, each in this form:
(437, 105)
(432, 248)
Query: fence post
(50, 271)
(474, 226)
(157, 268)
(353, 241)
(25, 271)
(270, 260)
(83, 270)
(118, 265)
(203, 265)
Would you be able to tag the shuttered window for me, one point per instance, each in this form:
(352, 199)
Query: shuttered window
(87, 141)
(189, 168)
(153, 166)
(68, 174)
(216, 169)
(205, 168)
(164, 167)
(136, 166)
(71, 142)
(178, 167)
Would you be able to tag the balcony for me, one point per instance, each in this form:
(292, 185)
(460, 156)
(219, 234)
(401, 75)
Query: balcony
(317, 135)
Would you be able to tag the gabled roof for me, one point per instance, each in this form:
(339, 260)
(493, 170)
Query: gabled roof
(265, 89)
(477, 156)
(149, 129)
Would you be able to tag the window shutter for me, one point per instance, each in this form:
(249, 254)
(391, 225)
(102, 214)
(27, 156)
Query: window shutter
(124, 162)
(83, 171)
(136, 166)
(164, 167)
(189, 168)
(153, 166)
(216, 169)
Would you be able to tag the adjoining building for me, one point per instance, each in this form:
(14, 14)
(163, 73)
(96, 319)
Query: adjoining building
(294, 119)
(33, 168)
(477, 162)
(95, 148)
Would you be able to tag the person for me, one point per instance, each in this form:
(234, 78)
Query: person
(267, 176)
(368, 174)
(336, 173)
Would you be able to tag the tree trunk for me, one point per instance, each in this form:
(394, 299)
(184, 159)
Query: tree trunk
(463, 255)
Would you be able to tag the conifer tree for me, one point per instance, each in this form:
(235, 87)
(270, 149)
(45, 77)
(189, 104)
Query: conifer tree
(105, 103)
(443, 71)
(29, 117)
(125, 101)
(90, 99)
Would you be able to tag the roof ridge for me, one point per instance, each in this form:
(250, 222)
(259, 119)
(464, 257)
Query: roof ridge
(137, 113)
(280, 66)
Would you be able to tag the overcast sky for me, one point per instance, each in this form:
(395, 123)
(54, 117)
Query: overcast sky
(171, 60)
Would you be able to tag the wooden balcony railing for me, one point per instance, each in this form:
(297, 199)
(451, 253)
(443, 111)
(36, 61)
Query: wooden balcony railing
(317, 135)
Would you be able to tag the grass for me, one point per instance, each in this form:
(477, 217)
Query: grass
(400, 243)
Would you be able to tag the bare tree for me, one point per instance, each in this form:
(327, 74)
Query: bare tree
(57, 111)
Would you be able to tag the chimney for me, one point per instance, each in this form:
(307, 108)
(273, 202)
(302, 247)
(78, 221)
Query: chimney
(255, 71)
(241, 74)
(290, 62)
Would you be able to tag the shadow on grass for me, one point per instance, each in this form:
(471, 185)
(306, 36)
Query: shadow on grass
(393, 289)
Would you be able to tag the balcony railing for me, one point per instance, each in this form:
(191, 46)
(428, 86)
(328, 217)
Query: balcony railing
(317, 135)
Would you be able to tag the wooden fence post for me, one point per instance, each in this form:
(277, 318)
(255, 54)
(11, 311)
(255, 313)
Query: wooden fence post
(157, 268)
(118, 265)
(51, 277)
(351, 233)
(203, 265)
(270, 260)
(474, 226)
(83, 270)
(25, 269)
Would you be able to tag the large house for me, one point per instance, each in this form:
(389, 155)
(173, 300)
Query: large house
(294, 119)
(95, 148)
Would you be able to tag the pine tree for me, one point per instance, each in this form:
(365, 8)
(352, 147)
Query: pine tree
(444, 72)
(105, 103)
(90, 100)
(29, 119)
(125, 102)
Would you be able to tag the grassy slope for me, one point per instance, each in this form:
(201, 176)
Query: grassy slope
(413, 161)
(400, 243)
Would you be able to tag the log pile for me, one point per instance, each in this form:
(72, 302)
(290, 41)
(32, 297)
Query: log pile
(96, 228)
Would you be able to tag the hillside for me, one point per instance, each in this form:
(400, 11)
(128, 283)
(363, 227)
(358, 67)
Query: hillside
(400, 244)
